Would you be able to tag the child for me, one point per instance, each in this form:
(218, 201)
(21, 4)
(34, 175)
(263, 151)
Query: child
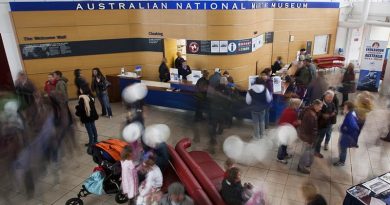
(87, 112)
(229, 163)
(233, 192)
(349, 132)
(129, 174)
(152, 183)
(289, 116)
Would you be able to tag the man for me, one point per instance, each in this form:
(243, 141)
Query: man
(308, 132)
(61, 85)
(201, 95)
(179, 61)
(303, 76)
(312, 68)
(316, 88)
(185, 70)
(326, 119)
(176, 196)
(215, 78)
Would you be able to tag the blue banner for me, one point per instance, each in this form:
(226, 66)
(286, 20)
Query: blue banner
(165, 5)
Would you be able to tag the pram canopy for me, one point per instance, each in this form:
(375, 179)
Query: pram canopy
(109, 150)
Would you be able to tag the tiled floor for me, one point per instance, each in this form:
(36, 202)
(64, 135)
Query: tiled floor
(280, 182)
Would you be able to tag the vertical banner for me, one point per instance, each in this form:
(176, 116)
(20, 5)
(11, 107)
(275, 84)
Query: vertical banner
(371, 66)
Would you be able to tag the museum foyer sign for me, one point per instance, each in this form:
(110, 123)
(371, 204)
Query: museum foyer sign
(166, 5)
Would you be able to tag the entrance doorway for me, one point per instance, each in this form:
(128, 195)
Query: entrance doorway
(171, 47)
(6, 82)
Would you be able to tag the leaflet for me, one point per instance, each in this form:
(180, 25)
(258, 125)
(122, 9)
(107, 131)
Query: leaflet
(377, 185)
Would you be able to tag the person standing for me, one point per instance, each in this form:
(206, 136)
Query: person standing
(50, 84)
(185, 70)
(349, 132)
(163, 71)
(86, 111)
(79, 80)
(266, 76)
(308, 133)
(25, 91)
(201, 95)
(277, 64)
(326, 119)
(348, 82)
(176, 196)
(311, 67)
(61, 85)
(259, 98)
(316, 88)
(215, 78)
(129, 174)
(179, 61)
(100, 85)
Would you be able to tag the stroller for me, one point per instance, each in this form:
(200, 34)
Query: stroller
(107, 155)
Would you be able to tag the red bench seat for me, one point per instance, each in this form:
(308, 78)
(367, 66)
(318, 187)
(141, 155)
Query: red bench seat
(330, 62)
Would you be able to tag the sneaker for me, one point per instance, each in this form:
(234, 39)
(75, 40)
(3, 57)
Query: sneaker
(338, 164)
(319, 155)
(303, 170)
(326, 147)
(283, 161)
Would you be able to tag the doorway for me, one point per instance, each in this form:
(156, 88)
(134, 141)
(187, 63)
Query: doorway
(6, 82)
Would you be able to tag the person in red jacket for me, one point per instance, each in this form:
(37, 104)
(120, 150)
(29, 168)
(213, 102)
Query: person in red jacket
(50, 84)
(289, 116)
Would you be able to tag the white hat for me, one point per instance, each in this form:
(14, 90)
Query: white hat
(217, 70)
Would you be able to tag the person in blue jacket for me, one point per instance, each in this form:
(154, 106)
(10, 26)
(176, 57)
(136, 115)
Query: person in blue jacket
(349, 133)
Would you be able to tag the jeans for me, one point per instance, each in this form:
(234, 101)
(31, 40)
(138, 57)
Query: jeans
(343, 154)
(92, 132)
(282, 152)
(105, 103)
(266, 117)
(321, 135)
(258, 123)
(307, 157)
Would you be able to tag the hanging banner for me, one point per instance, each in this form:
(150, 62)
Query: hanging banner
(371, 66)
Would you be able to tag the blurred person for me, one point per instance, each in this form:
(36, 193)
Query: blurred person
(336, 100)
(61, 85)
(152, 182)
(316, 88)
(229, 78)
(308, 133)
(326, 119)
(289, 84)
(303, 76)
(86, 111)
(215, 78)
(201, 95)
(258, 98)
(229, 163)
(79, 80)
(233, 192)
(100, 86)
(278, 64)
(50, 84)
(176, 196)
(185, 70)
(311, 67)
(266, 76)
(163, 71)
(129, 174)
(363, 105)
(25, 90)
(349, 132)
(311, 195)
(179, 60)
(288, 116)
(348, 82)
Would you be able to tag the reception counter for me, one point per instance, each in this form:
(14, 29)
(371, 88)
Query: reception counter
(181, 95)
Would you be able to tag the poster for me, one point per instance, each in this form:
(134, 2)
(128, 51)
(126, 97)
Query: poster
(223, 46)
(371, 66)
(214, 46)
(277, 84)
(251, 80)
(174, 74)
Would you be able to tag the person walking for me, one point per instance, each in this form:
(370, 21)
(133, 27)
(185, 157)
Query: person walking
(50, 84)
(259, 98)
(100, 85)
(266, 76)
(163, 71)
(61, 85)
(349, 132)
(348, 82)
(201, 95)
(308, 133)
(86, 111)
(326, 119)
(79, 80)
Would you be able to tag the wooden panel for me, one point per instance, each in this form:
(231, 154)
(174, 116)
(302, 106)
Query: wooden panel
(305, 14)
(170, 50)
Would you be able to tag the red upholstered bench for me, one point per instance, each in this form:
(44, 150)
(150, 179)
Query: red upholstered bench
(193, 188)
(330, 62)
(204, 168)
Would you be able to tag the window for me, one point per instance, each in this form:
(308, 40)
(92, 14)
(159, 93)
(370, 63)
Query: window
(321, 44)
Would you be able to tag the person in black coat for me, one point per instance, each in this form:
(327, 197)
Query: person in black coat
(233, 192)
(277, 64)
(201, 95)
(100, 86)
(185, 70)
(164, 71)
(179, 61)
(79, 80)
(86, 111)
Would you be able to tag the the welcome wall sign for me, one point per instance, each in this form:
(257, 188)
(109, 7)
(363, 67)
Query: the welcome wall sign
(167, 5)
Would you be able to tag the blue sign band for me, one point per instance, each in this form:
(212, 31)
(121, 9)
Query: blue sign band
(165, 5)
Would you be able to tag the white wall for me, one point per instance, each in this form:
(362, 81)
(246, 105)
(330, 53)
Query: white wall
(380, 33)
(9, 39)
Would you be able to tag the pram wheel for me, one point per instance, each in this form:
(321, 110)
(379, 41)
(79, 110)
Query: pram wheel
(75, 201)
(121, 198)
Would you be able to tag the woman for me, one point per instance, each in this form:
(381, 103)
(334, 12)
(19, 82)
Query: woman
(164, 71)
(100, 85)
(349, 132)
(348, 82)
(79, 80)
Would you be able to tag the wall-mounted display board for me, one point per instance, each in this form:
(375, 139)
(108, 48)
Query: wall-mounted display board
(91, 47)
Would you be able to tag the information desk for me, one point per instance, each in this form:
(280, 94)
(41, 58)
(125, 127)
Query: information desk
(181, 95)
(373, 192)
